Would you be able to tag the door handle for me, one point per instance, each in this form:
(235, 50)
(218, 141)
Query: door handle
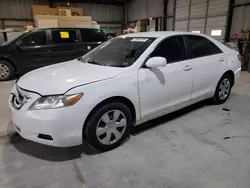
(221, 59)
(187, 68)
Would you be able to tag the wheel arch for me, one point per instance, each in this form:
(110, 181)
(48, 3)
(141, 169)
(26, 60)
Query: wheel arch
(121, 99)
(11, 62)
(231, 74)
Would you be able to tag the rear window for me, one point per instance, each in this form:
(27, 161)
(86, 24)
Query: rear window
(64, 36)
(93, 35)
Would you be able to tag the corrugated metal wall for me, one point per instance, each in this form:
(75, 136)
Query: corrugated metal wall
(202, 16)
(241, 17)
(142, 9)
(102, 12)
(170, 15)
(22, 9)
(19, 8)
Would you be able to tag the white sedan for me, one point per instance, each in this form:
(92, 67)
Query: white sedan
(122, 83)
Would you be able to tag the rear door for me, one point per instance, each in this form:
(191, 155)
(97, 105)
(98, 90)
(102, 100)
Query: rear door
(208, 63)
(34, 51)
(91, 38)
(65, 45)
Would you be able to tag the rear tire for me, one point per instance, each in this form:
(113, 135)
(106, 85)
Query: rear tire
(108, 126)
(223, 89)
(7, 71)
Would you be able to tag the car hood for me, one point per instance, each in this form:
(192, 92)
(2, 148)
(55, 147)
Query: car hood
(59, 78)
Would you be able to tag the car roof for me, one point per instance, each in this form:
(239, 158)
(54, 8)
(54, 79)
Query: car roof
(56, 28)
(156, 34)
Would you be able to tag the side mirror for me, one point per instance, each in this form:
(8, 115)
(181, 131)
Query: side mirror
(155, 62)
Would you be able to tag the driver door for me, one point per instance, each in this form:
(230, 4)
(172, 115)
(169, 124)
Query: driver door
(166, 87)
(34, 51)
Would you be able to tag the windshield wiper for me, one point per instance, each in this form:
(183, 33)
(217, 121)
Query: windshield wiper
(80, 59)
(95, 62)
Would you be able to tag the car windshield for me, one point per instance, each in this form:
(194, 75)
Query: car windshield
(118, 52)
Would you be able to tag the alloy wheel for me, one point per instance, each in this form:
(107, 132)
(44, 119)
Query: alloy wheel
(224, 88)
(4, 71)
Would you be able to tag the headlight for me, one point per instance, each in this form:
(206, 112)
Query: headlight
(50, 102)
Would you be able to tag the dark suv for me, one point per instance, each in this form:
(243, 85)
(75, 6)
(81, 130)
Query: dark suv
(41, 47)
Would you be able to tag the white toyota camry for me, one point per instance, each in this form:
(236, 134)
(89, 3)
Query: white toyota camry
(122, 83)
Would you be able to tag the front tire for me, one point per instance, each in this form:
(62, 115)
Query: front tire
(6, 70)
(108, 126)
(223, 89)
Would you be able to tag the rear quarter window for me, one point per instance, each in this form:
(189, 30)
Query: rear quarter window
(200, 46)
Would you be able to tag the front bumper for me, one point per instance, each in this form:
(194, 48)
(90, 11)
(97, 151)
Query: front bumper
(237, 74)
(63, 125)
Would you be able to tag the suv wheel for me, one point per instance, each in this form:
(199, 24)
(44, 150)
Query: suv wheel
(108, 126)
(6, 70)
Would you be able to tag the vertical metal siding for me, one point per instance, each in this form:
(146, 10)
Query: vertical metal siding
(154, 8)
(142, 9)
(217, 17)
(198, 8)
(19, 8)
(218, 7)
(170, 22)
(170, 6)
(102, 12)
(202, 17)
(137, 10)
(182, 9)
(23, 9)
(238, 2)
(241, 19)
(181, 25)
(197, 25)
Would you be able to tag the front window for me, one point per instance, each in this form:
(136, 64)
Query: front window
(13, 38)
(118, 52)
(37, 38)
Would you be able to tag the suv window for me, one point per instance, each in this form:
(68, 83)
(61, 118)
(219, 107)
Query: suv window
(37, 38)
(64, 36)
(93, 35)
(200, 46)
(173, 49)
